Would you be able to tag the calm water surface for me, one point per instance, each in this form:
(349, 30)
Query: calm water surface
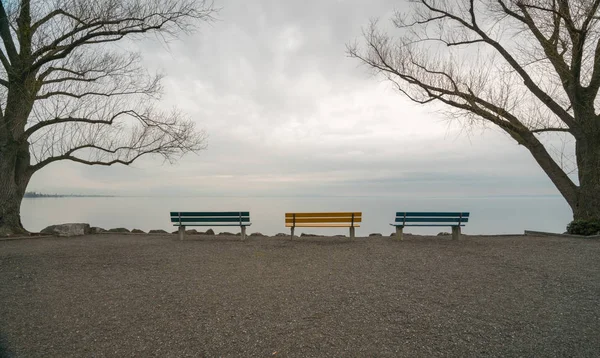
(493, 215)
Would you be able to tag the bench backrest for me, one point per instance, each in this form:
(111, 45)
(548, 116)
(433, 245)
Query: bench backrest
(291, 219)
(210, 217)
(451, 218)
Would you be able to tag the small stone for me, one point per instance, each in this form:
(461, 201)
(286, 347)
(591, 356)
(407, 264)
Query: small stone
(137, 231)
(157, 232)
(282, 235)
(70, 229)
(97, 230)
(119, 229)
(444, 234)
(375, 234)
(393, 234)
(310, 235)
(209, 232)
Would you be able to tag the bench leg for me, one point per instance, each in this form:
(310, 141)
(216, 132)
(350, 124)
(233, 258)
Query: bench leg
(292, 234)
(243, 233)
(455, 232)
(181, 232)
(352, 232)
(399, 232)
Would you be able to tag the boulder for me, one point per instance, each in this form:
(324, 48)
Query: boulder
(209, 232)
(137, 231)
(376, 234)
(97, 230)
(70, 229)
(157, 232)
(191, 232)
(119, 229)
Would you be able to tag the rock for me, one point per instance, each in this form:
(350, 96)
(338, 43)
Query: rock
(375, 234)
(310, 235)
(225, 233)
(282, 235)
(97, 230)
(175, 232)
(191, 232)
(119, 229)
(70, 229)
(339, 235)
(157, 232)
(393, 234)
(444, 234)
(257, 234)
(137, 231)
(209, 232)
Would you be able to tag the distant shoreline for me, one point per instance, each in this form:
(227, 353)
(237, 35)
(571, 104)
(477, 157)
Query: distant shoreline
(42, 195)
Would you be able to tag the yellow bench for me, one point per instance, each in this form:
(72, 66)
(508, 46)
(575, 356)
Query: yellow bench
(350, 220)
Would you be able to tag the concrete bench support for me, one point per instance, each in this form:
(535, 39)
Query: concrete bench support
(399, 230)
(455, 232)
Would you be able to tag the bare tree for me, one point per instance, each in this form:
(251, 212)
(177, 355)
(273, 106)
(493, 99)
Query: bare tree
(67, 93)
(529, 67)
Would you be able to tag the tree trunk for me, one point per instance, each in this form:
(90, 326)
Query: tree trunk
(588, 163)
(14, 177)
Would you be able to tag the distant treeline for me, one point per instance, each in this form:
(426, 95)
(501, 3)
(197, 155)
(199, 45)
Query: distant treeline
(34, 194)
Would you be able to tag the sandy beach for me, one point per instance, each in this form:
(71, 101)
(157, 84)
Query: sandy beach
(114, 295)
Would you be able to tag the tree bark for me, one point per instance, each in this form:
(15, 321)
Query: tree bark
(14, 177)
(587, 148)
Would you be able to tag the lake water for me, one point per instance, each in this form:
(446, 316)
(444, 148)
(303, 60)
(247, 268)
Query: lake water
(491, 215)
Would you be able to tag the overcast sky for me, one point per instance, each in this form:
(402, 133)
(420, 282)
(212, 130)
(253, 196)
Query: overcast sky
(288, 113)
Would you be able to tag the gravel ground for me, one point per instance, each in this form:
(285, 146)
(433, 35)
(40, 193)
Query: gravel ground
(144, 295)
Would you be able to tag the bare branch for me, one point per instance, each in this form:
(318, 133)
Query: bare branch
(542, 130)
(6, 35)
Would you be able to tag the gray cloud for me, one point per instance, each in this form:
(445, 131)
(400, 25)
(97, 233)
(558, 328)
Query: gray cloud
(288, 113)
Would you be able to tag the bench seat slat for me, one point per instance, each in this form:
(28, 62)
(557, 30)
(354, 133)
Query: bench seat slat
(211, 224)
(432, 214)
(433, 220)
(323, 215)
(320, 225)
(210, 213)
(321, 220)
(425, 225)
(217, 220)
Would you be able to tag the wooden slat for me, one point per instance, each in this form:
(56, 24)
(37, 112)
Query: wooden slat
(322, 220)
(320, 225)
(432, 214)
(213, 224)
(324, 215)
(210, 213)
(207, 220)
(425, 225)
(433, 220)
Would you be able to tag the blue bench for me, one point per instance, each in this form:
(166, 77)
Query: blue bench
(453, 219)
(210, 218)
